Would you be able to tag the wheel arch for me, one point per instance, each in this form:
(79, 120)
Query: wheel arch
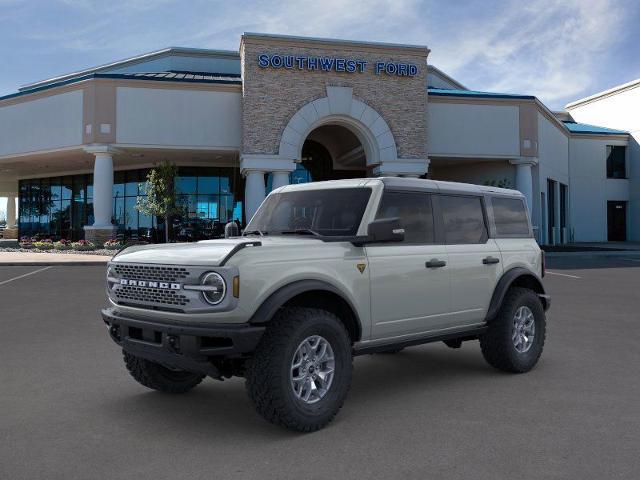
(315, 294)
(516, 277)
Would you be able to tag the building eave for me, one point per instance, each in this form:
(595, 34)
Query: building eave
(117, 76)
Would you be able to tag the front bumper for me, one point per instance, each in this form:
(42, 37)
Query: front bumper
(188, 347)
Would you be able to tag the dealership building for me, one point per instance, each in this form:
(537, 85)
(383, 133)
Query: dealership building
(75, 149)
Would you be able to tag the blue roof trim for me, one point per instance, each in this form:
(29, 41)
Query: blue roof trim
(444, 92)
(225, 80)
(585, 128)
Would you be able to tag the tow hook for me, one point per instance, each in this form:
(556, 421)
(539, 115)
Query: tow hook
(174, 343)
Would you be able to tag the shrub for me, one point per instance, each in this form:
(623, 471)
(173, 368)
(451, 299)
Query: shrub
(62, 245)
(113, 244)
(83, 245)
(46, 244)
(26, 242)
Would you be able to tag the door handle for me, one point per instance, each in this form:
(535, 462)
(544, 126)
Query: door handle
(490, 260)
(435, 263)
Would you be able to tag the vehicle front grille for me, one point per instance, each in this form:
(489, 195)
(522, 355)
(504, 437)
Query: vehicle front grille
(159, 296)
(152, 272)
(155, 296)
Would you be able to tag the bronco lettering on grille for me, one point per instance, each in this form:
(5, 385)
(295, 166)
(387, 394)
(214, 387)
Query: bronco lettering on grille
(150, 284)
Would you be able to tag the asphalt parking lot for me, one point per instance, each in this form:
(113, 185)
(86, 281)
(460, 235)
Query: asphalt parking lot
(69, 410)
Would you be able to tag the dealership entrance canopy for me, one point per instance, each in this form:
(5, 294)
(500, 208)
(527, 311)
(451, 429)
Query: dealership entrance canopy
(75, 149)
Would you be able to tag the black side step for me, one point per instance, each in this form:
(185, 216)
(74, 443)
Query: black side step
(463, 335)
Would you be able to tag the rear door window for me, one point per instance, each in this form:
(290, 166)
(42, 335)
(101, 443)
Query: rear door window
(415, 213)
(463, 219)
(510, 217)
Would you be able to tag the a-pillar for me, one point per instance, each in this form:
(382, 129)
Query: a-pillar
(524, 178)
(102, 228)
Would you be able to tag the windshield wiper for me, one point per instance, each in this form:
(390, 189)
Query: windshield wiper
(254, 232)
(301, 231)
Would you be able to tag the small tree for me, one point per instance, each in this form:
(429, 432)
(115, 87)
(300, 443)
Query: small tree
(160, 200)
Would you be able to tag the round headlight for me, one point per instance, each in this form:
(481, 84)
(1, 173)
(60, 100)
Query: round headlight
(215, 288)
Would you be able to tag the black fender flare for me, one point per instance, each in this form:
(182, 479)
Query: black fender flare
(507, 280)
(277, 299)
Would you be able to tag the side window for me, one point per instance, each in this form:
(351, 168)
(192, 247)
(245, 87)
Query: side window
(414, 211)
(463, 219)
(510, 217)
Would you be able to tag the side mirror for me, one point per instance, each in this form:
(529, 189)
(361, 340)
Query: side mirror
(385, 230)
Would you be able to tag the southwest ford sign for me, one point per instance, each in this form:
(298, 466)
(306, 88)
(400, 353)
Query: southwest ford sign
(334, 64)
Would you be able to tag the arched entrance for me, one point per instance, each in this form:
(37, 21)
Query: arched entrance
(333, 152)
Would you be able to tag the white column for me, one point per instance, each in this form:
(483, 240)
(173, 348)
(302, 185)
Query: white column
(254, 191)
(280, 179)
(11, 211)
(103, 190)
(524, 179)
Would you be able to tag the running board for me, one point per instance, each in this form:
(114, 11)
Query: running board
(462, 335)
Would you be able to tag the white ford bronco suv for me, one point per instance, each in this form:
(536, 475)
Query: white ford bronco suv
(325, 271)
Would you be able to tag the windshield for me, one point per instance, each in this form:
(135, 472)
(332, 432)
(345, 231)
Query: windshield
(327, 212)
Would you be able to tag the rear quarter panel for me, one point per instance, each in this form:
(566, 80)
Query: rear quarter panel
(520, 252)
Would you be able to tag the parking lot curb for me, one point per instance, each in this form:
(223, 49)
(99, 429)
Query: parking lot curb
(55, 264)
(595, 253)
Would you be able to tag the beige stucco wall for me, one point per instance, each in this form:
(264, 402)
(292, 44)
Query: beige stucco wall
(473, 129)
(45, 123)
(178, 117)
(272, 96)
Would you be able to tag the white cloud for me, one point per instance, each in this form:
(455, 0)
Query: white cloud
(546, 48)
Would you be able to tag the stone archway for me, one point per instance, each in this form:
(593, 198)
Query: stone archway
(339, 107)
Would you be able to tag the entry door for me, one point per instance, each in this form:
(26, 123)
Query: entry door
(475, 261)
(617, 221)
(410, 283)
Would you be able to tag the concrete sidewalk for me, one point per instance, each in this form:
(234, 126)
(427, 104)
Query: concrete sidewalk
(37, 259)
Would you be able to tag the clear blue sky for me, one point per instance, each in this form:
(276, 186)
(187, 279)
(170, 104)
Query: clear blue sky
(556, 50)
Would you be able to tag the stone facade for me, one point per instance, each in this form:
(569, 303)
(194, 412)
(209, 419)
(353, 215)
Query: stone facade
(272, 96)
(98, 236)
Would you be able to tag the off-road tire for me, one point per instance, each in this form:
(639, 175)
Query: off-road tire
(496, 344)
(268, 379)
(156, 377)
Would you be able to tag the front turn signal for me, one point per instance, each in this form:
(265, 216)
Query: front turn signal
(236, 286)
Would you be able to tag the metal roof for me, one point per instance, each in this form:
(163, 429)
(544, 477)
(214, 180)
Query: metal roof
(444, 92)
(134, 60)
(186, 77)
(585, 128)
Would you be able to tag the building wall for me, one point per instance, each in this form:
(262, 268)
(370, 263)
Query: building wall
(189, 118)
(473, 129)
(45, 123)
(553, 163)
(272, 96)
(620, 111)
(590, 189)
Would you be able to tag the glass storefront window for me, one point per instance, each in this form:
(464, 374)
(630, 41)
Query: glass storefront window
(59, 207)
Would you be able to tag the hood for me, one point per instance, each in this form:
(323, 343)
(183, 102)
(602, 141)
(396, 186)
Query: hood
(207, 252)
